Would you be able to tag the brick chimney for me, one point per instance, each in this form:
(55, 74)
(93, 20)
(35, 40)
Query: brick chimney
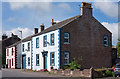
(35, 30)
(52, 23)
(86, 9)
(42, 27)
(4, 36)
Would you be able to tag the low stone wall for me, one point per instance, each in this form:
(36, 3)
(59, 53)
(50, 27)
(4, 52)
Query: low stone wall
(73, 73)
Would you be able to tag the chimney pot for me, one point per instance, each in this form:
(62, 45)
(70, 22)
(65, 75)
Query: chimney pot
(52, 23)
(42, 27)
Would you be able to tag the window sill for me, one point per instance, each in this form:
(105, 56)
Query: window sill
(66, 43)
(52, 65)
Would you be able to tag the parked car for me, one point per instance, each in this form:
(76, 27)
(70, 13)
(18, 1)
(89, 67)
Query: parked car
(117, 70)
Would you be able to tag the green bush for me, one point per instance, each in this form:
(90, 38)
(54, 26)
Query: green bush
(73, 65)
(108, 73)
(66, 67)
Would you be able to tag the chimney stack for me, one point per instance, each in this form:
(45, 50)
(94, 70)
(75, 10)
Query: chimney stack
(12, 34)
(52, 23)
(42, 27)
(86, 9)
(35, 30)
(4, 36)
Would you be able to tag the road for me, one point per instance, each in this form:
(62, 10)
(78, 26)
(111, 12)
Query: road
(20, 74)
(0, 74)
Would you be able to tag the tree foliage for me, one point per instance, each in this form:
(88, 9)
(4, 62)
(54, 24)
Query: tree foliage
(73, 65)
(118, 49)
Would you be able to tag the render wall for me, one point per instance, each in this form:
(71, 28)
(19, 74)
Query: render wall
(10, 57)
(49, 48)
(18, 56)
(27, 53)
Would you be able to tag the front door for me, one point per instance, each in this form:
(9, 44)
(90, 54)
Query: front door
(44, 59)
(45, 62)
(10, 63)
(23, 62)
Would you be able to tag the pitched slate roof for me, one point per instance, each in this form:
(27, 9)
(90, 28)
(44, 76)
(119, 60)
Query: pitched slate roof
(57, 25)
(24, 40)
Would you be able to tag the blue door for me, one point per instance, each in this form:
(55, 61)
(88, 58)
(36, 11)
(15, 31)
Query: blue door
(45, 62)
(23, 62)
(45, 59)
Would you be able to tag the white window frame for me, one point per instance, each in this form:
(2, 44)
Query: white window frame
(66, 58)
(52, 64)
(37, 60)
(28, 61)
(107, 40)
(67, 38)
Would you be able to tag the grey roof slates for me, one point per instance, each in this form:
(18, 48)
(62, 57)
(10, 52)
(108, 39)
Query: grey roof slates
(24, 40)
(57, 25)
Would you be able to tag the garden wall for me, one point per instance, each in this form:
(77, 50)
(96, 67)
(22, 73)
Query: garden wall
(73, 73)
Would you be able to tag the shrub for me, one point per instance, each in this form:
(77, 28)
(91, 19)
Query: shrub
(73, 65)
(108, 73)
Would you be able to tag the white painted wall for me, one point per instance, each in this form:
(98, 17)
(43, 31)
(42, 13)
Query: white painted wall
(49, 48)
(10, 57)
(27, 53)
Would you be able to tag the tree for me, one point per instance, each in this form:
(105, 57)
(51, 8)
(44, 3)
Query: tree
(118, 48)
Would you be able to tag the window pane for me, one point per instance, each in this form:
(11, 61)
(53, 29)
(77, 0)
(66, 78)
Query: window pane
(52, 55)
(105, 38)
(66, 40)
(66, 35)
(66, 58)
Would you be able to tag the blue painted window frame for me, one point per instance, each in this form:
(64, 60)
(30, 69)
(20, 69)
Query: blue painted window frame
(68, 58)
(44, 45)
(68, 38)
(107, 41)
(23, 49)
(51, 58)
(37, 44)
(37, 64)
(51, 39)
(28, 46)
(28, 61)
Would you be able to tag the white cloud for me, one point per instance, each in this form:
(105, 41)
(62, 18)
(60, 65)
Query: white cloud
(113, 28)
(108, 8)
(11, 19)
(64, 6)
(25, 32)
(44, 6)
(27, 0)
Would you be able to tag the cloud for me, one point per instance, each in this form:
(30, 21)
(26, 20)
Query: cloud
(64, 6)
(25, 32)
(108, 8)
(112, 27)
(11, 19)
(44, 6)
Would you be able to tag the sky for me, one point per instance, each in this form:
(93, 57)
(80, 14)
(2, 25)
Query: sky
(26, 16)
